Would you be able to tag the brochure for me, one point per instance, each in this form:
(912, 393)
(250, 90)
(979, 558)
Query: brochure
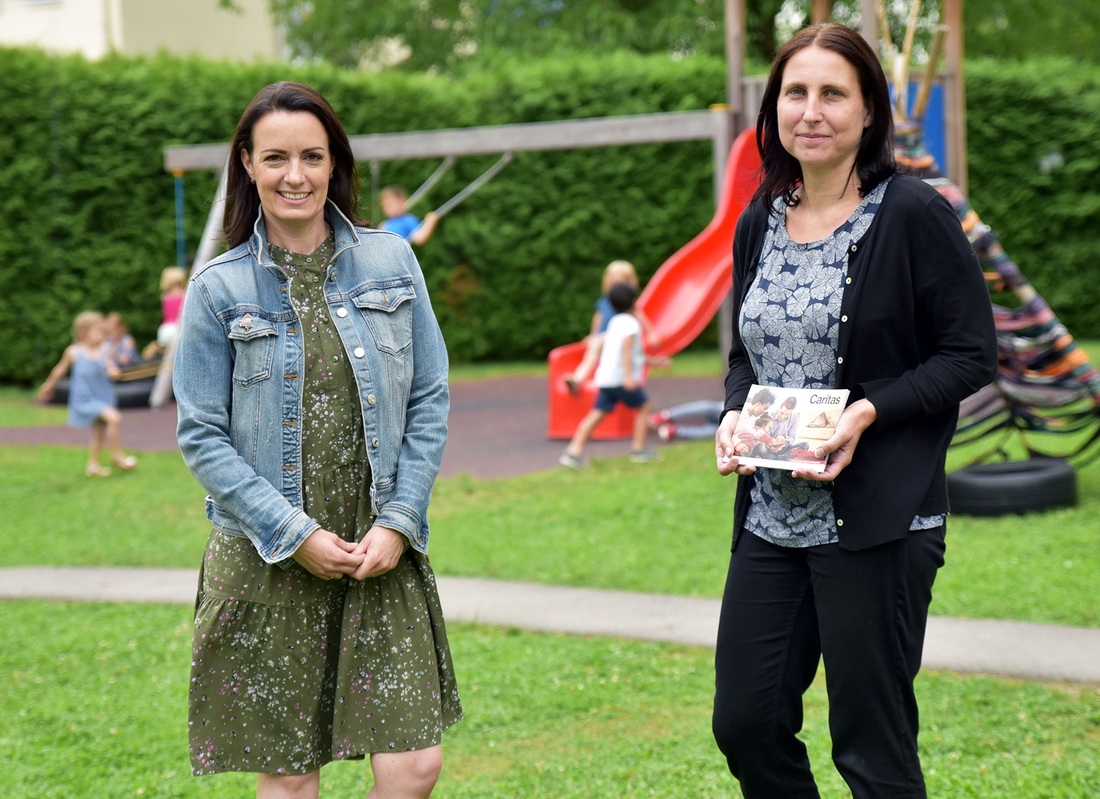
(779, 428)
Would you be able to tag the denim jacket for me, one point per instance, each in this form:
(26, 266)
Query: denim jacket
(236, 379)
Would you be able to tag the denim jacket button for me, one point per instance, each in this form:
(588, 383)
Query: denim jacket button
(374, 442)
(371, 399)
(359, 352)
(341, 312)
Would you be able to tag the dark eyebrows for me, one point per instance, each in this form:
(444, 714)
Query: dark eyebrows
(795, 84)
(321, 149)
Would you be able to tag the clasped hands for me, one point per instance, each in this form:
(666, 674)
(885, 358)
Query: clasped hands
(326, 555)
(839, 449)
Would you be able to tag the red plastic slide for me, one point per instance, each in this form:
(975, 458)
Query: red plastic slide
(680, 299)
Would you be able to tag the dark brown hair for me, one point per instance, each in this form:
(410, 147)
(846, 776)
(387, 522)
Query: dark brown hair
(242, 203)
(782, 173)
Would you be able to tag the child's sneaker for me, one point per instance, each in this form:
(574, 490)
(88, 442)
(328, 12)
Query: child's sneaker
(667, 431)
(644, 456)
(658, 418)
(571, 462)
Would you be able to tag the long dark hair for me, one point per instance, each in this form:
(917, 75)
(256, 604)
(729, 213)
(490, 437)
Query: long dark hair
(242, 203)
(875, 157)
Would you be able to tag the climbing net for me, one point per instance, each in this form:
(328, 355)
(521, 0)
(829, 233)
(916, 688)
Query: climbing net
(1045, 383)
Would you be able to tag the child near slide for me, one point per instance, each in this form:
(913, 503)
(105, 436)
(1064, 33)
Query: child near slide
(614, 272)
(619, 375)
(92, 401)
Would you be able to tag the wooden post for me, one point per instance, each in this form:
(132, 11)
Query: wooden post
(735, 78)
(955, 96)
(868, 26)
(821, 10)
(735, 61)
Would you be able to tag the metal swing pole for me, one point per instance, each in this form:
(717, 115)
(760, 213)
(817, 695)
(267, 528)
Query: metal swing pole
(211, 236)
(181, 236)
(480, 181)
(433, 178)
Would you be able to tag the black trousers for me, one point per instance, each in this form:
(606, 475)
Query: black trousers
(865, 614)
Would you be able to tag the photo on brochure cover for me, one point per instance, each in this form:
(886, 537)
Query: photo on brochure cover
(779, 428)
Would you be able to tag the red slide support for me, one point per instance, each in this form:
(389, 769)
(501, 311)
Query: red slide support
(680, 299)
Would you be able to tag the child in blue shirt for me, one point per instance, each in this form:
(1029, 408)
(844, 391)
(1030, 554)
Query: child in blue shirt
(400, 221)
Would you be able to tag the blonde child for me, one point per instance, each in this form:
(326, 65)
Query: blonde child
(173, 280)
(92, 400)
(614, 272)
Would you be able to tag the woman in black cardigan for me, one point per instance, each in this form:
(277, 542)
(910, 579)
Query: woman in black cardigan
(847, 275)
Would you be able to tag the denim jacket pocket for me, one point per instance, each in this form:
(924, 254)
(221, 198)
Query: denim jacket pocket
(388, 312)
(253, 339)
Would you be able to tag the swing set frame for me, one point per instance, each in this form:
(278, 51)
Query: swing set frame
(715, 124)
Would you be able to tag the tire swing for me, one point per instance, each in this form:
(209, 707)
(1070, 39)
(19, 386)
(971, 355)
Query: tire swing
(999, 489)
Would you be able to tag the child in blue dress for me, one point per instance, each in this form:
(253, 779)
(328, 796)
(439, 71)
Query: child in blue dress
(92, 401)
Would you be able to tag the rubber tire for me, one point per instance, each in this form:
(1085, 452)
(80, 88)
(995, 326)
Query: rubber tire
(998, 489)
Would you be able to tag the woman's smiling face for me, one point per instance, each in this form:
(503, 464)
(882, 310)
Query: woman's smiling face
(291, 165)
(821, 112)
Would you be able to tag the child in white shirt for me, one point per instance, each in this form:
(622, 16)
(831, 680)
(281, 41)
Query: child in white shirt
(619, 376)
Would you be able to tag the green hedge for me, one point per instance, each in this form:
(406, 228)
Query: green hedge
(1035, 176)
(90, 218)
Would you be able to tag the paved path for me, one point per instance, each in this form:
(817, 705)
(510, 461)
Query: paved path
(1011, 649)
(498, 429)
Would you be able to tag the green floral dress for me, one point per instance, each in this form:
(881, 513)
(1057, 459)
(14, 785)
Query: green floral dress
(289, 671)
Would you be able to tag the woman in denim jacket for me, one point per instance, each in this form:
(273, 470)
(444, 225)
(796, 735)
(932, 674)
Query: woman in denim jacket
(311, 383)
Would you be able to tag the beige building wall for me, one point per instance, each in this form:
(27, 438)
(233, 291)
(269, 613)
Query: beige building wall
(60, 26)
(95, 28)
(199, 27)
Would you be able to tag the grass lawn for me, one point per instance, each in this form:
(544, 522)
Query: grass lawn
(94, 695)
(94, 702)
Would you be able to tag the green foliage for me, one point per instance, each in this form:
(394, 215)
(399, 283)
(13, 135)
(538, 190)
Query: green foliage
(458, 35)
(1015, 29)
(1034, 169)
(463, 35)
(88, 210)
(514, 271)
(91, 220)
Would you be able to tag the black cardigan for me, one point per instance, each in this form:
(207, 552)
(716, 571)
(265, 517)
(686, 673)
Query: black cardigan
(916, 338)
